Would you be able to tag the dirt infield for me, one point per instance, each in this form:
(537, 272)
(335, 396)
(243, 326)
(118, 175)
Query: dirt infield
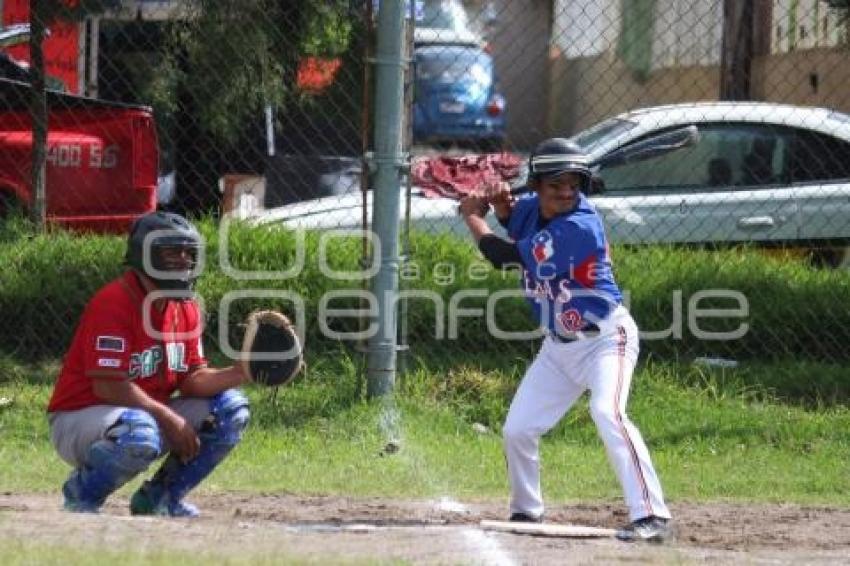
(337, 529)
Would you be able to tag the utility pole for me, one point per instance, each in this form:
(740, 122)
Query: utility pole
(737, 50)
(746, 34)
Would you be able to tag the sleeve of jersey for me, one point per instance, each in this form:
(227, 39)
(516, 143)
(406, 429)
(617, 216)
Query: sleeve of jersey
(107, 340)
(518, 216)
(195, 346)
(560, 249)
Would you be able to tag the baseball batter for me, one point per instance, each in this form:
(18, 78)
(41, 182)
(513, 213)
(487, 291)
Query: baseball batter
(138, 342)
(557, 239)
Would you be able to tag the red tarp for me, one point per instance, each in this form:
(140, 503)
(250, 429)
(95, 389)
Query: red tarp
(453, 177)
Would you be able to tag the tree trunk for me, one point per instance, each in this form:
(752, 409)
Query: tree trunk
(38, 112)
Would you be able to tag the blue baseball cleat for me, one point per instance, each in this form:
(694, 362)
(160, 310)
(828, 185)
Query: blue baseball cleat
(152, 499)
(74, 501)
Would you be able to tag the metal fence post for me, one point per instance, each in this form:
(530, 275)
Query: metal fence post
(388, 162)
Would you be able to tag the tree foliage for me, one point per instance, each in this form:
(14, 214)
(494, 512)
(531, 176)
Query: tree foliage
(70, 10)
(231, 58)
(210, 71)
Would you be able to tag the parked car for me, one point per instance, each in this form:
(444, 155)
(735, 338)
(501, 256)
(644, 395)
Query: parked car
(443, 22)
(428, 215)
(456, 98)
(768, 174)
(771, 174)
(101, 165)
(439, 22)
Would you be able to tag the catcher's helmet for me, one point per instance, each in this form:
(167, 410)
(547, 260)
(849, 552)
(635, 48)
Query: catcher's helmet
(556, 156)
(153, 234)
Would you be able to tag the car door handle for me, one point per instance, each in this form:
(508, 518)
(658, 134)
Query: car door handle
(756, 222)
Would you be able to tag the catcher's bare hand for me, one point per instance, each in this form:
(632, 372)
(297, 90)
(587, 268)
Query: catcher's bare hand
(473, 205)
(182, 438)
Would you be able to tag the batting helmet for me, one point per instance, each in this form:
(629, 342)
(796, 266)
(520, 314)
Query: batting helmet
(556, 156)
(153, 234)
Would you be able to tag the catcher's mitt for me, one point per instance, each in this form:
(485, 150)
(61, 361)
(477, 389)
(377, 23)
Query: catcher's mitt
(271, 351)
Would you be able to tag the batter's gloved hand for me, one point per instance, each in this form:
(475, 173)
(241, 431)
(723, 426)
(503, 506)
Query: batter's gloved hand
(271, 352)
(473, 205)
(499, 195)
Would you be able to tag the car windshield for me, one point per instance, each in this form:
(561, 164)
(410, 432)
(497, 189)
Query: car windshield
(597, 135)
(452, 65)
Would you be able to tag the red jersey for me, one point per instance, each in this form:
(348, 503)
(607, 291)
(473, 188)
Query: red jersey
(112, 342)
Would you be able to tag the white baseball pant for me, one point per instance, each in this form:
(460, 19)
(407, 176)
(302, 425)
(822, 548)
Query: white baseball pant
(560, 373)
(73, 432)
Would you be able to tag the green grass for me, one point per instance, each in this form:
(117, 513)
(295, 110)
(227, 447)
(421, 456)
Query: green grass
(777, 428)
(15, 552)
(712, 436)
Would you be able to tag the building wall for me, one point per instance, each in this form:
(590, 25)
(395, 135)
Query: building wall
(804, 24)
(805, 60)
(585, 91)
(811, 77)
(590, 81)
(520, 45)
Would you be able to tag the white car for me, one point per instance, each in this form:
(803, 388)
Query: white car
(770, 174)
(443, 22)
(429, 215)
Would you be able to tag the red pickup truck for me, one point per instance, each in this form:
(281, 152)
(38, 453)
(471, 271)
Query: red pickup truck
(102, 159)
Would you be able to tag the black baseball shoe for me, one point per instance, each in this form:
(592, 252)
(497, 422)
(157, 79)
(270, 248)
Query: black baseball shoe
(524, 518)
(649, 529)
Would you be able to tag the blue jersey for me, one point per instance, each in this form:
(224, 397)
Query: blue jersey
(567, 272)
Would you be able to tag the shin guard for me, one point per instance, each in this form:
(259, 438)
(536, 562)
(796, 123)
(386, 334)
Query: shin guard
(128, 448)
(219, 433)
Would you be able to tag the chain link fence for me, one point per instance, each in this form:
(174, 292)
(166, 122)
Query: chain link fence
(264, 109)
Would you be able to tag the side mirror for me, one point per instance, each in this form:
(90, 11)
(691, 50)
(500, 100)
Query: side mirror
(490, 15)
(644, 149)
(651, 147)
(597, 185)
(14, 35)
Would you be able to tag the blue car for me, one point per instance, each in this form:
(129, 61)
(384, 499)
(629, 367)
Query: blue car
(455, 97)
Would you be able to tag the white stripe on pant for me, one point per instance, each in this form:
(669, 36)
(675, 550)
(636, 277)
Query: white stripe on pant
(553, 383)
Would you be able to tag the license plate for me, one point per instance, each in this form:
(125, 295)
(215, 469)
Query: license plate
(452, 107)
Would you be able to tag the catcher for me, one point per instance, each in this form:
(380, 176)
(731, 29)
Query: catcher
(112, 412)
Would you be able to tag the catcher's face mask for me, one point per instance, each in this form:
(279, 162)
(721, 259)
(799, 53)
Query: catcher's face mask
(168, 249)
(174, 266)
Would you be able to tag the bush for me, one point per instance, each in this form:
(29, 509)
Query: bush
(791, 307)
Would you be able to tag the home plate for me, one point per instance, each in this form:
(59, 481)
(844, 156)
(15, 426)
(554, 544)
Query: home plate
(547, 529)
(360, 528)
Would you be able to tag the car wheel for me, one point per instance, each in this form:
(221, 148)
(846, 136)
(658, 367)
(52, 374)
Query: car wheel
(6, 205)
(9, 206)
(835, 258)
